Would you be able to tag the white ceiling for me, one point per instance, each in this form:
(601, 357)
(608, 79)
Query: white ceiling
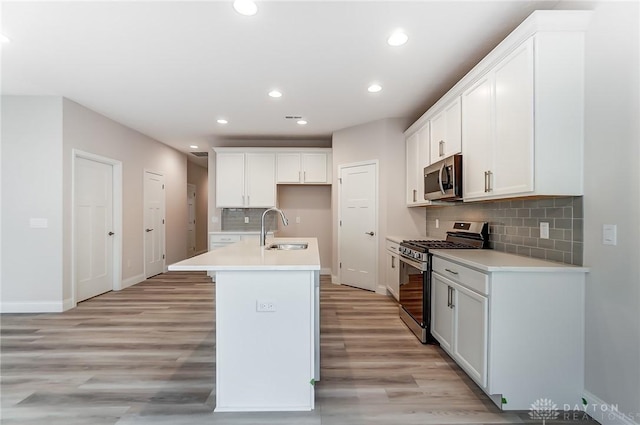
(170, 69)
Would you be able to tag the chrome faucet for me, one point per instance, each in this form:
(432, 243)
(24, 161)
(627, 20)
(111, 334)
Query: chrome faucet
(263, 231)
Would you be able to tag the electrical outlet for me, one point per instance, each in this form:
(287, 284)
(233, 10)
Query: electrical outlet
(437, 223)
(246, 220)
(609, 234)
(265, 306)
(544, 230)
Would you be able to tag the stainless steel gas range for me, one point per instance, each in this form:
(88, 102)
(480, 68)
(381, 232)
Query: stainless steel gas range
(415, 272)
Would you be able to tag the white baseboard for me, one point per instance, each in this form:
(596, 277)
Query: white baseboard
(608, 414)
(32, 307)
(326, 270)
(133, 280)
(68, 304)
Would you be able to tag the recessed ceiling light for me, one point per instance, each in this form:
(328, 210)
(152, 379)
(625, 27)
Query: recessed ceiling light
(301, 122)
(374, 88)
(193, 146)
(245, 7)
(275, 93)
(222, 121)
(398, 38)
(4, 39)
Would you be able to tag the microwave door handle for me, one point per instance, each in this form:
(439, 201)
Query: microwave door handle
(440, 179)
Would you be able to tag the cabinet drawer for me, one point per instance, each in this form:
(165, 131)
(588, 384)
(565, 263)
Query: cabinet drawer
(222, 238)
(392, 246)
(465, 276)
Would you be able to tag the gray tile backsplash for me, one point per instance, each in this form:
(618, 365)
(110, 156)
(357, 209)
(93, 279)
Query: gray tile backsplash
(233, 219)
(514, 225)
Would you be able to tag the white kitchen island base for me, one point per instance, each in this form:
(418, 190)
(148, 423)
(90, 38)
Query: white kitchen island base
(267, 324)
(265, 359)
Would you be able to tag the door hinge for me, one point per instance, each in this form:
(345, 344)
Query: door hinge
(163, 256)
(340, 265)
(163, 221)
(340, 180)
(340, 222)
(163, 186)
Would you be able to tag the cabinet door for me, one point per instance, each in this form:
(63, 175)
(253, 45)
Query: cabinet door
(288, 168)
(512, 170)
(446, 129)
(441, 311)
(470, 335)
(412, 167)
(392, 275)
(261, 180)
(476, 137)
(314, 167)
(230, 180)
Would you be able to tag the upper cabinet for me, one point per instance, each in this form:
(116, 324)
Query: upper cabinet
(307, 167)
(245, 180)
(417, 157)
(517, 117)
(446, 133)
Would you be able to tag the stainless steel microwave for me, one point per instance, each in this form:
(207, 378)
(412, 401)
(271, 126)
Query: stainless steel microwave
(443, 180)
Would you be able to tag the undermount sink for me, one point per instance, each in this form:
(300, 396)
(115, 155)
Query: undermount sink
(289, 246)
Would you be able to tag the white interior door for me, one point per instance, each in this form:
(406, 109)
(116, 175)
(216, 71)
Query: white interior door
(191, 223)
(358, 225)
(93, 198)
(153, 223)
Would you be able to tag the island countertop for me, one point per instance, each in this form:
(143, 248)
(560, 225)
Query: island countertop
(248, 255)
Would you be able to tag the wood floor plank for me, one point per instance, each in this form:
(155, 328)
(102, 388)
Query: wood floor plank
(146, 355)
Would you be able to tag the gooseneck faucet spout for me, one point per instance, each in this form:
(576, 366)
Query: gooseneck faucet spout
(263, 231)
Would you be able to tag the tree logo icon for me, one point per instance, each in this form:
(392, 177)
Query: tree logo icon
(543, 409)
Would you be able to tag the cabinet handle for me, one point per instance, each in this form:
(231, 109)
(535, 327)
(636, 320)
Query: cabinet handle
(489, 174)
(449, 296)
(304, 176)
(451, 271)
(441, 147)
(486, 188)
(452, 295)
(299, 176)
(243, 203)
(393, 262)
(415, 194)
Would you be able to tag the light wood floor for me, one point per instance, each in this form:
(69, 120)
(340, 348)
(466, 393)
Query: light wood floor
(146, 355)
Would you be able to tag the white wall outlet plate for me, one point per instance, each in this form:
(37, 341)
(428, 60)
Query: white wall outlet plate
(298, 220)
(609, 234)
(265, 306)
(544, 230)
(246, 220)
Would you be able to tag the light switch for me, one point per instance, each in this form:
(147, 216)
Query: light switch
(214, 219)
(298, 220)
(609, 234)
(246, 220)
(544, 230)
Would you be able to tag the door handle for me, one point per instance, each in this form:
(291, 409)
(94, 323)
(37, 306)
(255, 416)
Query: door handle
(369, 233)
(110, 233)
(148, 230)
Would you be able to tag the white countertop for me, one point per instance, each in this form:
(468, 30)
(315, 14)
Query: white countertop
(398, 239)
(238, 232)
(488, 260)
(248, 255)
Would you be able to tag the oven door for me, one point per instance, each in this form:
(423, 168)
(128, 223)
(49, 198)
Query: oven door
(413, 289)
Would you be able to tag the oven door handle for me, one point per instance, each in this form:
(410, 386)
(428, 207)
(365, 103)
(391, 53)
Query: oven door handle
(413, 263)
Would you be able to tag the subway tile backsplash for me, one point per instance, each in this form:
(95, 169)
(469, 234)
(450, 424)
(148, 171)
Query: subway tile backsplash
(233, 219)
(514, 225)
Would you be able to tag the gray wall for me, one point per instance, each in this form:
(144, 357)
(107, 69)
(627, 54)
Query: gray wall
(612, 196)
(38, 135)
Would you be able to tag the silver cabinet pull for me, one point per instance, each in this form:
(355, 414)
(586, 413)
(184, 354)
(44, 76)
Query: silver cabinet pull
(299, 176)
(441, 147)
(449, 296)
(415, 194)
(451, 271)
(148, 230)
(304, 176)
(369, 233)
(486, 187)
(489, 174)
(393, 262)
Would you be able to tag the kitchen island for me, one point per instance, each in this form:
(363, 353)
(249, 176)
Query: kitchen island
(267, 324)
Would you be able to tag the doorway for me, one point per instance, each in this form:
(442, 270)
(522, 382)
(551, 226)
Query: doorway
(358, 225)
(96, 225)
(154, 230)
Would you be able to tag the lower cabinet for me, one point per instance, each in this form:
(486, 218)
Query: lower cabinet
(517, 331)
(392, 269)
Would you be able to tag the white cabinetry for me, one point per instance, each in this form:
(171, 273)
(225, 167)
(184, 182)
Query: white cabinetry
(392, 269)
(312, 167)
(517, 331)
(522, 126)
(446, 127)
(245, 180)
(417, 157)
